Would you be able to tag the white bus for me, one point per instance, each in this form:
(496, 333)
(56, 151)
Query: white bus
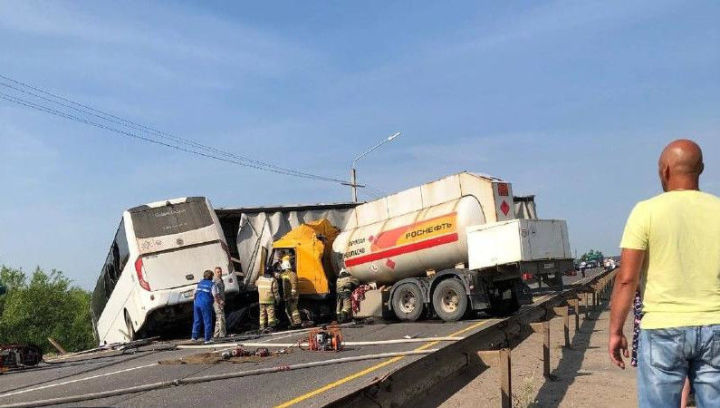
(158, 256)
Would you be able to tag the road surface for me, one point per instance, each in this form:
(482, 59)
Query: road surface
(311, 387)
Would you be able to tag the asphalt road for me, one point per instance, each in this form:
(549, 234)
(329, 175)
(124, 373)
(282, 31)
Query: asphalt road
(310, 387)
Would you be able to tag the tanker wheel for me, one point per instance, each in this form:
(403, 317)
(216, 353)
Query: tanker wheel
(449, 300)
(407, 302)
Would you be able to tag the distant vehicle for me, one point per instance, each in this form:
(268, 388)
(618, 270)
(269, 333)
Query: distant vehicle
(158, 255)
(591, 264)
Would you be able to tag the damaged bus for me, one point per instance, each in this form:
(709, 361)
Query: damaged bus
(156, 259)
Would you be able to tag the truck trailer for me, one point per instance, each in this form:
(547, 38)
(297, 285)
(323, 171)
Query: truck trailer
(446, 248)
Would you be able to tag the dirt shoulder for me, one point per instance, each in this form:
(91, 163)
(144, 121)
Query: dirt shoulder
(582, 376)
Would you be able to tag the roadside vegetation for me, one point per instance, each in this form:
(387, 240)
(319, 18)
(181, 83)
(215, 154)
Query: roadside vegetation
(44, 305)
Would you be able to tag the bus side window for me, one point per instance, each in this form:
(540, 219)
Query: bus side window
(115, 266)
(109, 281)
(121, 250)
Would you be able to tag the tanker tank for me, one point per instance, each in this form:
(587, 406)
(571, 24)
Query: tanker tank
(420, 229)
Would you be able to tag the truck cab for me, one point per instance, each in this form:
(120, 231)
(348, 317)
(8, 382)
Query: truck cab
(309, 247)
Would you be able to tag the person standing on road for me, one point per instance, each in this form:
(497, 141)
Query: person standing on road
(268, 296)
(203, 307)
(291, 295)
(583, 266)
(343, 290)
(218, 292)
(671, 247)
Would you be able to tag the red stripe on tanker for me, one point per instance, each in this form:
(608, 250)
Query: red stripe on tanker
(409, 244)
(428, 243)
(409, 238)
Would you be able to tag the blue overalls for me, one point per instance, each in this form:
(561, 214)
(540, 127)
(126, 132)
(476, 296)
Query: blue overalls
(203, 309)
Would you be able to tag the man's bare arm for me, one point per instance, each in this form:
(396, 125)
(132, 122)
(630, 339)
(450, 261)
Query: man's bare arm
(626, 283)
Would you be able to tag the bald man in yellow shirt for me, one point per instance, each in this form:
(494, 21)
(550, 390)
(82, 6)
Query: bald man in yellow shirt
(671, 251)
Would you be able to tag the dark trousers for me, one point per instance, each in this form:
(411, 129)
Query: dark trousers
(202, 318)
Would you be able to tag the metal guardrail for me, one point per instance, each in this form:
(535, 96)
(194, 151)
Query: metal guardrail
(488, 347)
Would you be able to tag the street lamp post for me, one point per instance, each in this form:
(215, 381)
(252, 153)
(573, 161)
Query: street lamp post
(353, 171)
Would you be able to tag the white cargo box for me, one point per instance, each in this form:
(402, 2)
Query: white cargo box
(518, 240)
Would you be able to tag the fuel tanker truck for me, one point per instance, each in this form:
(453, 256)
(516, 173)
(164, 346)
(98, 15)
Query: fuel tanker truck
(445, 248)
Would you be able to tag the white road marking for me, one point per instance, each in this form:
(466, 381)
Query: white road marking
(76, 380)
(282, 337)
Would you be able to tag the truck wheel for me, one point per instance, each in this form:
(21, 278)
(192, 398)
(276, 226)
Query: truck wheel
(130, 328)
(407, 302)
(449, 300)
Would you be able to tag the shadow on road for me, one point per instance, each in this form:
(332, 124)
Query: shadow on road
(552, 391)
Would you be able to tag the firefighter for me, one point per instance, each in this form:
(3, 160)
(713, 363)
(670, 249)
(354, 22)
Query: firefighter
(343, 290)
(290, 292)
(268, 296)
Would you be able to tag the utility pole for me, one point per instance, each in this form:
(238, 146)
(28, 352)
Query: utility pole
(353, 184)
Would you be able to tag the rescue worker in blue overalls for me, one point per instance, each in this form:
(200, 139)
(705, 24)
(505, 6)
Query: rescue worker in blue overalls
(203, 308)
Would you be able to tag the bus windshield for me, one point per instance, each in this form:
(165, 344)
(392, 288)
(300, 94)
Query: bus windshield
(171, 219)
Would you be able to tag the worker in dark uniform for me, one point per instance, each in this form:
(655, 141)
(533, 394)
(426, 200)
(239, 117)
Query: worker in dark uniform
(268, 296)
(203, 308)
(344, 287)
(291, 296)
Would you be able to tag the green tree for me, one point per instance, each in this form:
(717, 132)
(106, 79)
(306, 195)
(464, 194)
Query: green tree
(46, 306)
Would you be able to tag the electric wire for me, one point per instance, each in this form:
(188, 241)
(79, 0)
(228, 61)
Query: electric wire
(52, 111)
(190, 145)
(84, 109)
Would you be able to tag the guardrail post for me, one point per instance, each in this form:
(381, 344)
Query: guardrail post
(608, 288)
(544, 328)
(595, 300)
(565, 313)
(575, 303)
(586, 297)
(501, 358)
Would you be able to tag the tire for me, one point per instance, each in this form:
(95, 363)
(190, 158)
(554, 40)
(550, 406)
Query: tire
(407, 302)
(449, 300)
(130, 329)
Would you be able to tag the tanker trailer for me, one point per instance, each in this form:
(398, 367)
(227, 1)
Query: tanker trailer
(450, 247)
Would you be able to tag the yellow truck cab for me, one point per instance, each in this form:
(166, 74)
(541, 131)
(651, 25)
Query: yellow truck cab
(310, 250)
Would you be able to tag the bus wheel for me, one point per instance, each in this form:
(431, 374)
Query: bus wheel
(449, 300)
(407, 302)
(130, 328)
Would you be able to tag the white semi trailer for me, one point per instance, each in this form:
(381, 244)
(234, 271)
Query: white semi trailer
(452, 246)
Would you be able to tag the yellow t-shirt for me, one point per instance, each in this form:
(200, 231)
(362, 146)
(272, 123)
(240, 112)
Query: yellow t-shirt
(680, 230)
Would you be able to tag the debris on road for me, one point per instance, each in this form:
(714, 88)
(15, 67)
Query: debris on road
(14, 356)
(324, 339)
(237, 355)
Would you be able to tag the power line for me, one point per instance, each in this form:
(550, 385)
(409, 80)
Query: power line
(85, 109)
(178, 143)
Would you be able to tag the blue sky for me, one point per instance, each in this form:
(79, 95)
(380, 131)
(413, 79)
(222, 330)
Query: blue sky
(571, 101)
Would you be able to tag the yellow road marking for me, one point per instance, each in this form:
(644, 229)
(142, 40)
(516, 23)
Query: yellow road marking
(369, 369)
